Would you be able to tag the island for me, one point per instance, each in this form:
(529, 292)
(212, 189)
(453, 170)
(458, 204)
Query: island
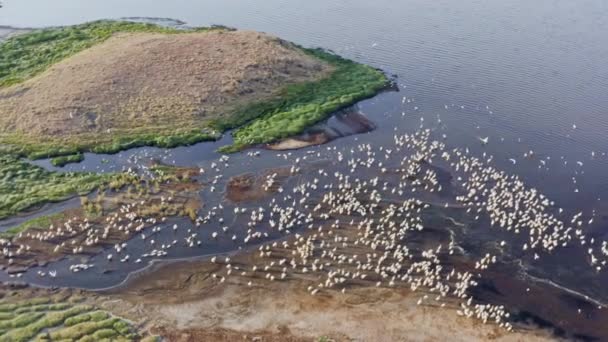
(108, 86)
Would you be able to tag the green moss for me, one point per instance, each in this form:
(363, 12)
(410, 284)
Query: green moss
(41, 222)
(38, 322)
(93, 316)
(6, 315)
(23, 185)
(24, 56)
(105, 333)
(49, 320)
(20, 320)
(301, 105)
(6, 307)
(27, 146)
(82, 329)
(64, 160)
(151, 339)
(42, 307)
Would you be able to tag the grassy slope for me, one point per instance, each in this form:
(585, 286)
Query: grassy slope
(27, 55)
(297, 106)
(23, 186)
(24, 56)
(301, 105)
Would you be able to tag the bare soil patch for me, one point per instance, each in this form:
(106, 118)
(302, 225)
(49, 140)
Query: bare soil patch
(251, 187)
(184, 302)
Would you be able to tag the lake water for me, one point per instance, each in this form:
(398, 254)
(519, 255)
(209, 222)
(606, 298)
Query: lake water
(523, 73)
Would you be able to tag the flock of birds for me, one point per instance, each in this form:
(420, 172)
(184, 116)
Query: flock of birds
(350, 218)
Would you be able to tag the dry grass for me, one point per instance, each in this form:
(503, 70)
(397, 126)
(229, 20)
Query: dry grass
(139, 83)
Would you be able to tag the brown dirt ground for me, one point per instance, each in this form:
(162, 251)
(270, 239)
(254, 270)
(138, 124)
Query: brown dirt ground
(251, 187)
(184, 303)
(149, 80)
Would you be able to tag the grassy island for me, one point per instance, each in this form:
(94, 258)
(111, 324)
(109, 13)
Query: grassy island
(303, 105)
(108, 86)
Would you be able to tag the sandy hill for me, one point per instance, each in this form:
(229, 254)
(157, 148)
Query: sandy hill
(147, 80)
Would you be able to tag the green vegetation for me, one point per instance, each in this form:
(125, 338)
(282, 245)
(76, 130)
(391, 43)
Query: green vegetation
(24, 56)
(92, 316)
(302, 105)
(64, 321)
(23, 185)
(39, 222)
(66, 151)
(64, 160)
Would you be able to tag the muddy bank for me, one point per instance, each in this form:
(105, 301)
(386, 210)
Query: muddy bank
(184, 300)
(251, 187)
(343, 124)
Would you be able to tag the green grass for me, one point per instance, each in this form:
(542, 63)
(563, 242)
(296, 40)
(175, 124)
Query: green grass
(23, 185)
(64, 160)
(65, 151)
(43, 322)
(9, 307)
(49, 320)
(302, 105)
(87, 317)
(6, 315)
(21, 320)
(41, 307)
(25, 56)
(81, 329)
(41, 222)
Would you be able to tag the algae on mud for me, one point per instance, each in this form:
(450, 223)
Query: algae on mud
(44, 319)
(37, 223)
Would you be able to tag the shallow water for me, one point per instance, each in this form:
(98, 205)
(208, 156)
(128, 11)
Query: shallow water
(521, 71)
